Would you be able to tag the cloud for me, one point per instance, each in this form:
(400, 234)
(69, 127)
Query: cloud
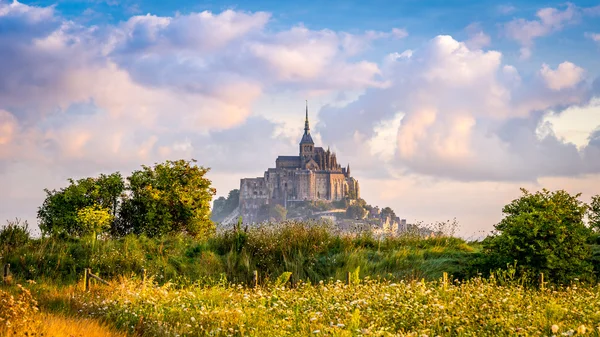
(466, 116)
(565, 76)
(477, 38)
(549, 20)
(593, 36)
(200, 72)
(8, 126)
(506, 9)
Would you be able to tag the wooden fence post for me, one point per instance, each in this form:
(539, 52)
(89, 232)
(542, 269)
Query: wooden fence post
(86, 279)
(255, 279)
(445, 279)
(542, 281)
(349, 278)
(6, 270)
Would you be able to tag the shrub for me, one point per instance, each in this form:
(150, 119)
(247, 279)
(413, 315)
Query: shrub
(544, 233)
(14, 234)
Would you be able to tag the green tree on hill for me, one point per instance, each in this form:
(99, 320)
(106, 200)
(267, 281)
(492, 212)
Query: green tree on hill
(222, 206)
(355, 212)
(544, 233)
(59, 212)
(173, 196)
(94, 220)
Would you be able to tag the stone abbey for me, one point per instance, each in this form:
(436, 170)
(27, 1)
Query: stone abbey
(314, 174)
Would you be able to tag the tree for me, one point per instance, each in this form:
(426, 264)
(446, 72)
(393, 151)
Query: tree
(544, 233)
(173, 196)
(270, 212)
(355, 212)
(223, 207)
(594, 213)
(94, 220)
(58, 213)
(388, 212)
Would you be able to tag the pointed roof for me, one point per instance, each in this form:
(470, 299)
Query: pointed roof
(306, 138)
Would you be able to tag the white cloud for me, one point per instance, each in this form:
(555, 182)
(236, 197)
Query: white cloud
(566, 75)
(467, 116)
(506, 9)
(593, 36)
(8, 127)
(549, 20)
(477, 38)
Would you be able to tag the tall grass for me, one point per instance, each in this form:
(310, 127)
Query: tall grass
(310, 251)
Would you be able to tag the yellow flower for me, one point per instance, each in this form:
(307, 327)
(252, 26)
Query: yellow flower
(581, 329)
(554, 328)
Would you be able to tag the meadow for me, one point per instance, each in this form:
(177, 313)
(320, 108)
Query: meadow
(312, 281)
(497, 306)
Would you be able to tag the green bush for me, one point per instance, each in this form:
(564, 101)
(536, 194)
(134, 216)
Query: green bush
(543, 233)
(14, 234)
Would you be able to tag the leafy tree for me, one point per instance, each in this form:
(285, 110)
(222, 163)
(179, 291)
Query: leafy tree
(59, 212)
(544, 233)
(94, 220)
(594, 213)
(173, 196)
(271, 212)
(222, 206)
(14, 235)
(355, 212)
(388, 212)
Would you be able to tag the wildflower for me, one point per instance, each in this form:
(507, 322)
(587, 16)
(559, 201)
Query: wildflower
(317, 331)
(554, 328)
(581, 330)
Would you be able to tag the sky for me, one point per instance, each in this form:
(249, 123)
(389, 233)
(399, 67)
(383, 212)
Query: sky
(443, 109)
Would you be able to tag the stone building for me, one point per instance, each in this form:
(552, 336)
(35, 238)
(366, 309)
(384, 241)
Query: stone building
(314, 174)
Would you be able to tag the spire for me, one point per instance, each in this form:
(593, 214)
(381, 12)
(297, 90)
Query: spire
(306, 138)
(306, 127)
(348, 170)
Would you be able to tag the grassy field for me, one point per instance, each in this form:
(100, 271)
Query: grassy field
(205, 288)
(478, 307)
(311, 251)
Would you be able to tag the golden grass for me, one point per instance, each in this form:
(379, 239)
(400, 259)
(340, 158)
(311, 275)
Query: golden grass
(59, 326)
(20, 316)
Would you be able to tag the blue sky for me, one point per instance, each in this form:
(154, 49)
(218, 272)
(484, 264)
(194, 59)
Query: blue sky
(442, 108)
(421, 19)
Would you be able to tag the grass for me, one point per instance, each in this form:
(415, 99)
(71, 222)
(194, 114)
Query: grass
(20, 316)
(311, 251)
(477, 307)
(201, 288)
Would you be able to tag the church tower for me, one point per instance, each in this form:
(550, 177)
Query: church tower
(307, 146)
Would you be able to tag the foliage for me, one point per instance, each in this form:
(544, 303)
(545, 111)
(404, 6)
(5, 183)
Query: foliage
(388, 212)
(544, 233)
(58, 213)
(478, 307)
(310, 250)
(18, 314)
(355, 212)
(173, 196)
(222, 207)
(270, 212)
(594, 213)
(13, 235)
(94, 220)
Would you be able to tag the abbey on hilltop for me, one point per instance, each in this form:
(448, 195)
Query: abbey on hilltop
(314, 174)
